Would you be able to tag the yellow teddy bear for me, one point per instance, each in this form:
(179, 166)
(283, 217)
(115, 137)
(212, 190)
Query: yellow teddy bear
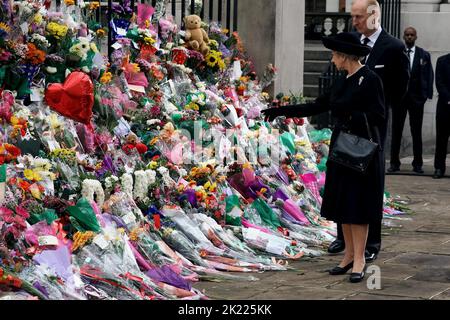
(196, 36)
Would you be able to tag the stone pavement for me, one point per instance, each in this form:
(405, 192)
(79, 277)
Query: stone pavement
(414, 262)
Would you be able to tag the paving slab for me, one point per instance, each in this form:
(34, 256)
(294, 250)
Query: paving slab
(435, 228)
(300, 293)
(402, 288)
(374, 296)
(420, 243)
(421, 259)
(435, 274)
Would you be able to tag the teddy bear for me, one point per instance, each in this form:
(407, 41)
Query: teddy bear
(132, 143)
(196, 36)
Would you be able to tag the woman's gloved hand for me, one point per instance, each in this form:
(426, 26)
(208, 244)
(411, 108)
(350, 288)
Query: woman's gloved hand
(271, 113)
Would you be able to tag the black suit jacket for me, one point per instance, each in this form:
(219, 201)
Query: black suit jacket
(443, 80)
(389, 60)
(422, 78)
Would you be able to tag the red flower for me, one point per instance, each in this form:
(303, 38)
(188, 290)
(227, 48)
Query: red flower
(7, 215)
(22, 212)
(14, 231)
(13, 150)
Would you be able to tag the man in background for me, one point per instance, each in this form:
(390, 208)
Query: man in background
(419, 90)
(442, 114)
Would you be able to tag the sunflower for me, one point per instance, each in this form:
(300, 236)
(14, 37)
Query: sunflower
(211, 60)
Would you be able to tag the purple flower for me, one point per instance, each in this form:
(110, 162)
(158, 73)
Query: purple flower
(225, 52)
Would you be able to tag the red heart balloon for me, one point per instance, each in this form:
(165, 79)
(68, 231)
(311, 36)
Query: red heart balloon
(74, 99)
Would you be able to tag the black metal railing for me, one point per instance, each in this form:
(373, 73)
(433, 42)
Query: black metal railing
(390, 16)
(322, 24)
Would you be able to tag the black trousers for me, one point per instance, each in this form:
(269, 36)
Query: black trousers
(442, 135)
(415, 110)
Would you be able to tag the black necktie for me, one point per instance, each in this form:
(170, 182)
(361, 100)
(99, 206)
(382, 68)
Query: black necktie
(409, 57)
(365, 41)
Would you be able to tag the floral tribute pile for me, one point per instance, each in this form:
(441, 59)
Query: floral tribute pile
(136, 175)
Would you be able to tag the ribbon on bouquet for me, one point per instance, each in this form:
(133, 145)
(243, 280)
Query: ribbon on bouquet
(2, 183)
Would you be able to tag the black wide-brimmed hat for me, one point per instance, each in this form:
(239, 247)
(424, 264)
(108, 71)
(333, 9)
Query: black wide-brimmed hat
(346, 42)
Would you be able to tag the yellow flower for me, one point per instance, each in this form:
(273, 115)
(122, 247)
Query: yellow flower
(69, 2)
(54, 121)
(153, 165)
(94, 47)
(5, 27)
(211, 60)
(101, 33)
(57, 30)
(214, 43)
(221, 64)
(106, 77)
(192, 106)
(35, 192)
(154, 141)
(94, 5)
(149, 40)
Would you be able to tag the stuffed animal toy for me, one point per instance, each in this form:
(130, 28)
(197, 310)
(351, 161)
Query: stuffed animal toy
(196, 37)
(132, 143)
(82, 53)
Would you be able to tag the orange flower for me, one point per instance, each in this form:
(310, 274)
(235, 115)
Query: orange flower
(24, 185)
(34, 55)
(94, 5)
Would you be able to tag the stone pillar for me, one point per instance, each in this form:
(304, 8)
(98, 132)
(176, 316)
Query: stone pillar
(273, 32)
(290, 45)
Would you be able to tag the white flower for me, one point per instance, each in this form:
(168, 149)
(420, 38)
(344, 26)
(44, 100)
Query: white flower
(37, 38)
(163, 170)
(127, 184)
(152, 121)
(140, 184)
(90, 188)
(182, 173)
(110, 181)
(151, 176)
(51, 70)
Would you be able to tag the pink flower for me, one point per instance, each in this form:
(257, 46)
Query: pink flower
(20, 222)
(14, 231)
(7, 215)
(22, 212)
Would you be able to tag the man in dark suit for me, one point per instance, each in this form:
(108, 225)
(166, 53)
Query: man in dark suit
(442, 114)
(419, 90)
(389, 60)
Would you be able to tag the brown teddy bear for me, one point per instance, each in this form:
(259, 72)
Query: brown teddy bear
(196, 36)
(132, 143)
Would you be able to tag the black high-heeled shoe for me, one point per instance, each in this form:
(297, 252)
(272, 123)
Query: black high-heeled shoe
(356, 277)
(340, 270)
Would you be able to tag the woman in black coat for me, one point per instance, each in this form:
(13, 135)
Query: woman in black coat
(352, 198)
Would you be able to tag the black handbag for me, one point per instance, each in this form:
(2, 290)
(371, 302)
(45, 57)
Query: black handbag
(352, 151)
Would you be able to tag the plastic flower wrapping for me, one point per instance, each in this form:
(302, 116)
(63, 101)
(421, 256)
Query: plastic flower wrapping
(135, 176)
